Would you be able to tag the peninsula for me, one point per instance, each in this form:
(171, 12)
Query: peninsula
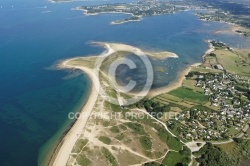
(211, 90)
(89, 130)
(207, 112)
(201, 118)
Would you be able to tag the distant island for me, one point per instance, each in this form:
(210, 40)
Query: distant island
(222, 11)
(138, 10)
(207, 11)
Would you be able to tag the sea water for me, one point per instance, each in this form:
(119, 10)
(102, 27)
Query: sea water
(35, 99)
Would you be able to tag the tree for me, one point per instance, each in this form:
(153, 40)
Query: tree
(237, 140)
(211, 155)
(212, 54)
(189, 75)
(199, 144)
(185, 151)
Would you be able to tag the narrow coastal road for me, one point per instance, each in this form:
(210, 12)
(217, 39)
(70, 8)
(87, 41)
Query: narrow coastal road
(165, 126)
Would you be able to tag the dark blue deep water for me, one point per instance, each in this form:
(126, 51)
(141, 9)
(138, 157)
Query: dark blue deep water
(35, 99)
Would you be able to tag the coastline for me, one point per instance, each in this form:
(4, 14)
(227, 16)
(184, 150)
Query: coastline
(175, 84)
(233, 26)
(94, 14)
(115, 47)
(181, 76)
(117, 22)
(210, 49)
(64, 148)
(232, 29)
(57, 146)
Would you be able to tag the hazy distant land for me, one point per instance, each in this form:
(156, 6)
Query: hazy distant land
(214, 11)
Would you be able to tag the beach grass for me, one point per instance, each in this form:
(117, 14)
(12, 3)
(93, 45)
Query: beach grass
(114, 129)
(84, 62)
(120, 136)
(136, 127)
(146, 142)
(110, 158)
(105, 140)
(83, 160)
(80, 143)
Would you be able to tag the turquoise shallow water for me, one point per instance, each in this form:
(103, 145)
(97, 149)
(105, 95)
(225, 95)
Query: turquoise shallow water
(35, 100)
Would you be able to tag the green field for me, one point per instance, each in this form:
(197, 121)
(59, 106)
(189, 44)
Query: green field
(190, 95)
(190, 83)
(175, 158)
(234, 62)
(172, 142)
(170, 97)
(229, 147)
(173, 101)
(204, 70)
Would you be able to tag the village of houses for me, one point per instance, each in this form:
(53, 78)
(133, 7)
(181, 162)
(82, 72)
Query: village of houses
(229, 94)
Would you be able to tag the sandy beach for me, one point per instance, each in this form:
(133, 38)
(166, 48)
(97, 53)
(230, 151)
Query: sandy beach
(63, 152)
(127, 48)
(181, 77)
(175, 84)
(64, 149)
(71, 137)
(232, 29)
